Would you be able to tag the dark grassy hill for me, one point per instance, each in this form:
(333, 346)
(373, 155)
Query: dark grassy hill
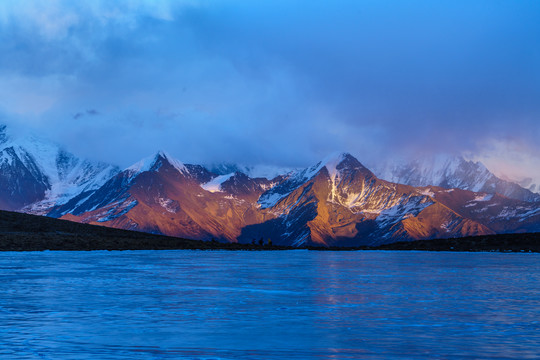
(23, 232)
(501, 242)
(527, 242)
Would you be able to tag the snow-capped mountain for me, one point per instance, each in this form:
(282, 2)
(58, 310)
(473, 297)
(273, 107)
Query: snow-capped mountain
(451, 172)
(335, 202)
(36, 174)
(340, 202)
(163, 195)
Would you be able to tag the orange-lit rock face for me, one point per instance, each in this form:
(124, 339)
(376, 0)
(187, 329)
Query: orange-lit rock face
(336, 202)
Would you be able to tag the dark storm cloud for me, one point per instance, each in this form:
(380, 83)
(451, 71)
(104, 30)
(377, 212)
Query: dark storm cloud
(281, 82)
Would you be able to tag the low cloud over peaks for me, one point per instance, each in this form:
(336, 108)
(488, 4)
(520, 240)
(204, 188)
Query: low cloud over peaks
(276, 82)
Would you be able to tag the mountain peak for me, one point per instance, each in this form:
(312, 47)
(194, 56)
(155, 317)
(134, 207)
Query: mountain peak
(153, 163)
(332, 161)
(162, 154)
(336, 162)
(336, 157)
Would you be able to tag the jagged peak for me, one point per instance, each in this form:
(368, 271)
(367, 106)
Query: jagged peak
(336, 157)
(153, 163)
(177, 164)
(333, 163)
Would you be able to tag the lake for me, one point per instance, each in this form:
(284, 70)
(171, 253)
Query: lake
(269, 305)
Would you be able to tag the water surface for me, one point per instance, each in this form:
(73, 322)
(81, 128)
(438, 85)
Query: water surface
(269, 305)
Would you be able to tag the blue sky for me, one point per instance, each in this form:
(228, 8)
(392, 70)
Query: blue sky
(274, 81)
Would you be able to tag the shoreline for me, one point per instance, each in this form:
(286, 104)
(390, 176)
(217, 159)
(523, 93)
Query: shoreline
(511, 243)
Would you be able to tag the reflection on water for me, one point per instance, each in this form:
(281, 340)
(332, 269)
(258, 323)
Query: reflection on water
(269, 305)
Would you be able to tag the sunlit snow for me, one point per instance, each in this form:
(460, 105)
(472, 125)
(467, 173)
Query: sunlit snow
(214, 185)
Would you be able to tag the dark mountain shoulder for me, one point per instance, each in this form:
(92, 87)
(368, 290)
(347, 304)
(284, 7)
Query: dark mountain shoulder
(24, 232)
(20, 184)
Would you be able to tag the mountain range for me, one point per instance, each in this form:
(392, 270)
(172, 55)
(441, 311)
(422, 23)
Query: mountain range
(451, 172)
(336, 202)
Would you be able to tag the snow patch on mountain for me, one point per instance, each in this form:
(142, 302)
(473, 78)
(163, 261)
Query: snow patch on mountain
(270, 199)
(403, 210)
(426, 192)
(450, 225)
(214, 185)
(167, 204)
(118, 211)
(528, 214)
(301, 240)
(483, 197)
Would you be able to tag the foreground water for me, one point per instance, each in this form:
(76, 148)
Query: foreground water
(269, 305)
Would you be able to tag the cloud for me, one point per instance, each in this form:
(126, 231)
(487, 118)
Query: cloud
(28, 95)
(91, 112)
(512, 159)
(281, 82)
